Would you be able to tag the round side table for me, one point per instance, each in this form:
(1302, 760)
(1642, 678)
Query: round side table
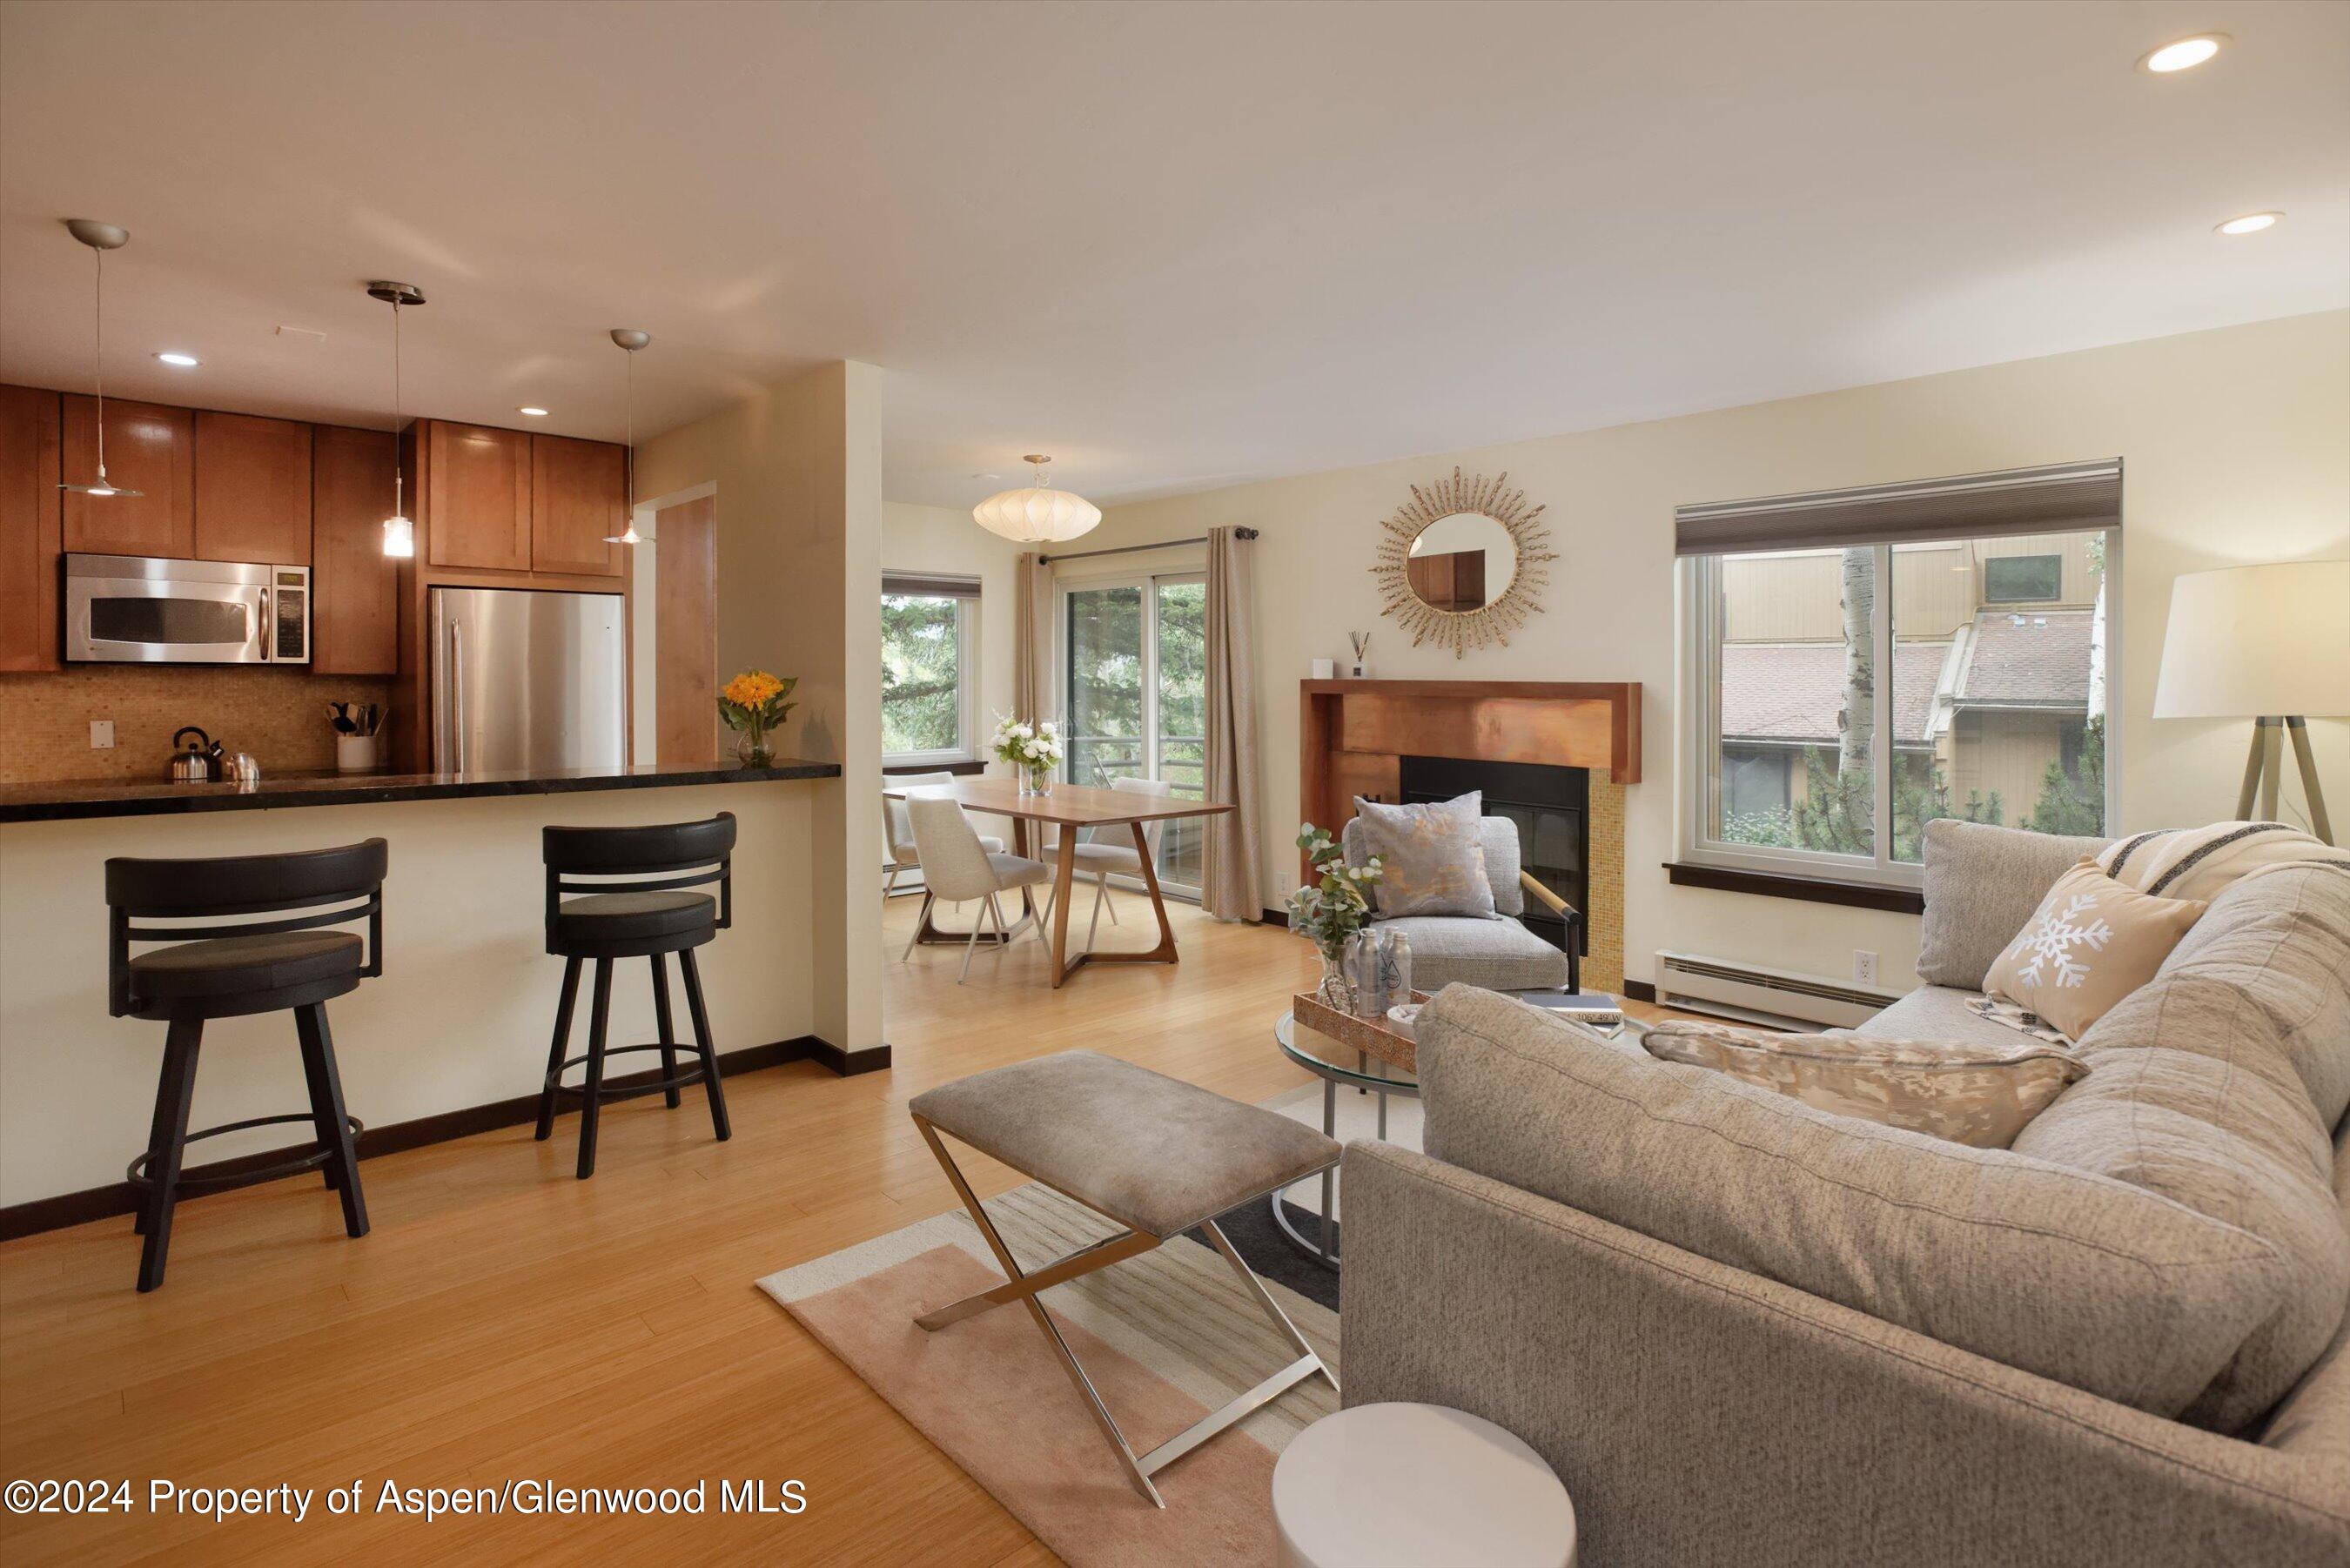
(1402, 1486)
(1370, 1075)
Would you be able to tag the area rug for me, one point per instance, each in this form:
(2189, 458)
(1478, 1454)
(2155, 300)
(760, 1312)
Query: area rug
(1166, 1337)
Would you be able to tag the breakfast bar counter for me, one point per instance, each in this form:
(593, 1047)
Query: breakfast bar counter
(72, 799)
(452, 1038)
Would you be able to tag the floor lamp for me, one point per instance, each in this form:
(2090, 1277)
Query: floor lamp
(2268, 643)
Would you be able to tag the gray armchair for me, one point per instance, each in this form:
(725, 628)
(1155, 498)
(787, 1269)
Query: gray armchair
(1496, 954)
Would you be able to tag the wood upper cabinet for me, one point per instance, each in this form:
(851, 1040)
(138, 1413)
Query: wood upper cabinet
(253, 489)
(578, 499)
(150, 449)
(477, 496)
(354, 586)
(30, 532)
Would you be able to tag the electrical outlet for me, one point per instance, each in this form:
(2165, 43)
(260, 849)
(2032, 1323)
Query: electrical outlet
(1864, 967)
(102, 734)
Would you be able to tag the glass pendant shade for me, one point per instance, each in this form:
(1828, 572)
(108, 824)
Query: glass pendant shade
(1038, 514)
(398, 538)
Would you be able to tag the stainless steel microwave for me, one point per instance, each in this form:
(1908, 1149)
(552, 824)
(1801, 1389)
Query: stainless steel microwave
(138, 609)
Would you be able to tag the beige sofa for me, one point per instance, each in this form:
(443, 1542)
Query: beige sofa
(1747, 1332)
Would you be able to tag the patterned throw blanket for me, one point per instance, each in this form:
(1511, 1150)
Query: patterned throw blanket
(2184, 863)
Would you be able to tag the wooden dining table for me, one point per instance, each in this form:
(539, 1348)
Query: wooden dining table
(1073, 808)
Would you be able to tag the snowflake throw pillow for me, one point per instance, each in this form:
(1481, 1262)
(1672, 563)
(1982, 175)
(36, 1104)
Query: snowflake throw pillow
(2092, 942)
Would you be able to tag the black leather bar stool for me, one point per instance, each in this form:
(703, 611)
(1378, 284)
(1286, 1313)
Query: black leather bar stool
(227, 969)
(622, 892)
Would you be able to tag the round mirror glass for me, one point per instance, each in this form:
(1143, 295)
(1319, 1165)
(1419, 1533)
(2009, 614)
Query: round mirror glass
(1461, 561)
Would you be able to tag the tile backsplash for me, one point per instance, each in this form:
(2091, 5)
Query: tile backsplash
(277, 715)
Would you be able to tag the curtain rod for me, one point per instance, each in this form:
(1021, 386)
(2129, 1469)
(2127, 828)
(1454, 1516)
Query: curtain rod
(1129, 549)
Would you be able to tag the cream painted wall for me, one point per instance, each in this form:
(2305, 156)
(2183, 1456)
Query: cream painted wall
(459, 1018)
(944, 539)
(2235, 450)
(797, 475)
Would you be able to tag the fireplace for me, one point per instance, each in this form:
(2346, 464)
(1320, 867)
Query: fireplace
(1551, 808)
(1555, 757)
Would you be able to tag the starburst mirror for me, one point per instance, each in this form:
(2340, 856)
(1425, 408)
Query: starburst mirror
(1463, 563)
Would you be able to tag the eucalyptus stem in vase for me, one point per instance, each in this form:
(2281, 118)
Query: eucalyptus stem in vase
(1332, 907)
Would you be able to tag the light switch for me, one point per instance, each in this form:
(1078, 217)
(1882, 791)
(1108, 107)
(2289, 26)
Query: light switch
(102, 734)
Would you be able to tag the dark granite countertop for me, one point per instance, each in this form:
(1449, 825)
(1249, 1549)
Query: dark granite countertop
(67, 800)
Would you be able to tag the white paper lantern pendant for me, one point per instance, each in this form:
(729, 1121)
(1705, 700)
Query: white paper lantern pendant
(1038, 514)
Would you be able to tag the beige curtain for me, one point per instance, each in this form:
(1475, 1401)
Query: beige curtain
(1229, 889)
(1031, 662)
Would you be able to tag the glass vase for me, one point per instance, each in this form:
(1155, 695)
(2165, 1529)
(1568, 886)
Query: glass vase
(1035, 780)
(1336, 991)
(752, 748)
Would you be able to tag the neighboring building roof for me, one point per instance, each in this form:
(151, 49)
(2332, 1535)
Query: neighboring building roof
(2044, 663)
(1792, 692)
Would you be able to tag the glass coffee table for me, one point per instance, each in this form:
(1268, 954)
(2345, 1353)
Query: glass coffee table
(1366, 1055)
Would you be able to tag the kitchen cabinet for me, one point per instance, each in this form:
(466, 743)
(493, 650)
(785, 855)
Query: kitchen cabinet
(150, 449)
(253, 489)
(354, 586)
(30, 528)
(477, 497)
(578, 499)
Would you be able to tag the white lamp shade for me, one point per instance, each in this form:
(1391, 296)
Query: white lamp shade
(2249, 640)
(1036, 516)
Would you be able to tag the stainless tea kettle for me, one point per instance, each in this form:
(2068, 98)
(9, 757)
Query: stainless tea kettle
(198, 761)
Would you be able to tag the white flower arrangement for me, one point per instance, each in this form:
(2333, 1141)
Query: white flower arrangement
(1033, 749)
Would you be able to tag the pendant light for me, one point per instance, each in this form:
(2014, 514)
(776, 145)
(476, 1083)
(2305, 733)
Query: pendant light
(101, 238)
(398, 533)
(1038, 514)
(629, 338)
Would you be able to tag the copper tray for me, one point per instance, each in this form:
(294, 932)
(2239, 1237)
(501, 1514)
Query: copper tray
(1368, 1034)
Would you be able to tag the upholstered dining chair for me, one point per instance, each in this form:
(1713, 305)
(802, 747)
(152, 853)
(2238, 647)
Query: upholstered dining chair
(897, 837)
(957, 865)
(1101, 860)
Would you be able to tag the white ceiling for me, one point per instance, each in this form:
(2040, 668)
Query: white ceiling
(1178, 245)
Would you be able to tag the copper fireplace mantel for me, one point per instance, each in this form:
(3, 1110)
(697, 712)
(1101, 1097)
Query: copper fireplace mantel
(1353, 734)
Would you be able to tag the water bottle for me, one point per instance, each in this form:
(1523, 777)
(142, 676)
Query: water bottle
(1395, 968)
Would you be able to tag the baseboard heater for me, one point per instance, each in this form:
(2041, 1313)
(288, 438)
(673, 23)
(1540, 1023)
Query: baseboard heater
(1756, 994)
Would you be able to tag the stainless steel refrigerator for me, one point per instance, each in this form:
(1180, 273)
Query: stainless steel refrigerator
(525, 680)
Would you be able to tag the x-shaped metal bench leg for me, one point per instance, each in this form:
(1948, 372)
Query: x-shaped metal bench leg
(1023, 1288)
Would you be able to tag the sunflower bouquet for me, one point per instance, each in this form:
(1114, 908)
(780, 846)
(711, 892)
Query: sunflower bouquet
(754, 702)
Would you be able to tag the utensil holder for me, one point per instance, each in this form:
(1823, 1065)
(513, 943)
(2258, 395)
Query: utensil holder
(355, 754)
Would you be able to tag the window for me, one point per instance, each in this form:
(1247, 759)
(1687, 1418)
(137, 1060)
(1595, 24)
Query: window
(1847, 692)
(2023, 579)
(1135, 671)
(928, 668)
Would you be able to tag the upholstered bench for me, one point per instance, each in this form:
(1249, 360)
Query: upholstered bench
(1156, 1155)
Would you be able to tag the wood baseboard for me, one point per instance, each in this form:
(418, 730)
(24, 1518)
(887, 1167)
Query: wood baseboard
(122, 1198)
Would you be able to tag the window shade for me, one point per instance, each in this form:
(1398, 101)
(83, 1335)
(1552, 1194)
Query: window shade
(2060, 498)
(928, 585)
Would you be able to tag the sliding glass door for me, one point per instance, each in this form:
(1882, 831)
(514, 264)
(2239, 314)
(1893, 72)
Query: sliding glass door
(1134, 656)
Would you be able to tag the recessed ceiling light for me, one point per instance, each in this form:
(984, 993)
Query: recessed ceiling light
(173, 357)
(2250, 223)
(2185, 55)
(534, 413)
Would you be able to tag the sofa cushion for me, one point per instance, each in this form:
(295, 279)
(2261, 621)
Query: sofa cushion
(2197, 1091)
(2314, 1419)
(1498, 954)
(2092, 1281)
(1971, 1094)
(2092, 941)
(1433, 855)
(1941, 1013)
(1981, 884)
